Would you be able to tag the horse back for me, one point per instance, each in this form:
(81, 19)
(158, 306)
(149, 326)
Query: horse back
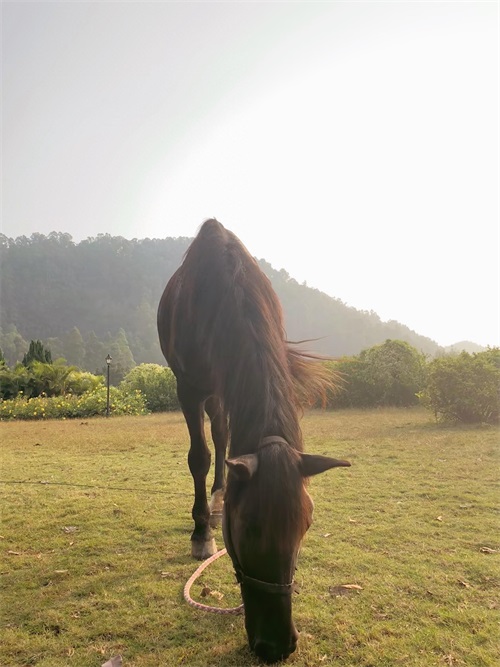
(217, 305)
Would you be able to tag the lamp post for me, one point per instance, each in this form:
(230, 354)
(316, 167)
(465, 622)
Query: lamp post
(108, 364)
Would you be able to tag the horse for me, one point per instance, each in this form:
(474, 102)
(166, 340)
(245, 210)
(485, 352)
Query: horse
(221, 330)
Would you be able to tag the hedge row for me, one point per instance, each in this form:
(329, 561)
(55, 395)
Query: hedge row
(89, 404)
(459, 388)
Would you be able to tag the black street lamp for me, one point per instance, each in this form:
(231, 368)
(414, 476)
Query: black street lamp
(108, 364)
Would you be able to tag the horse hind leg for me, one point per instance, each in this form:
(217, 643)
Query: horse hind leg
(202, 542)
(219, 436)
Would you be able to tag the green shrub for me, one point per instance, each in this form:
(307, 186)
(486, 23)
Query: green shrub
(156, 383)
(80, 382)
(45, 379)
(465, 388)
(355, 390)
(89, 404)
(390, 374)
(18, 380)
(51, 379)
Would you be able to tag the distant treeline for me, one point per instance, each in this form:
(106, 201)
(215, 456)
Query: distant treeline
(97, 297)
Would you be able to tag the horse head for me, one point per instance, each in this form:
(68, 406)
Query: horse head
(267, 512)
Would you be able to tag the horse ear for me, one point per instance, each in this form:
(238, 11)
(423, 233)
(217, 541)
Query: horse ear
(243, 466)
(313, 464)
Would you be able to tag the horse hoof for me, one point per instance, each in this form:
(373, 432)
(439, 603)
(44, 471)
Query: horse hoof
(203, 550)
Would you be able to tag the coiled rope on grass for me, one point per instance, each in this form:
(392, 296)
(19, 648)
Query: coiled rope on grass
(206, 607)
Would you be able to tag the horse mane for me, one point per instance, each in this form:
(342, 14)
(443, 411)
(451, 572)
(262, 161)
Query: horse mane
(233, 321)
(278, 497)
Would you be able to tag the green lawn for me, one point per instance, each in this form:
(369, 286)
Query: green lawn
(95, 546)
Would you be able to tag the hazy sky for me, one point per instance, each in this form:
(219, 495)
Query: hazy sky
(354, 144)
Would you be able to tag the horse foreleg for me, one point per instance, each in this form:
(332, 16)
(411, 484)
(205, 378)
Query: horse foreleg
(202, 541)
(219, 437)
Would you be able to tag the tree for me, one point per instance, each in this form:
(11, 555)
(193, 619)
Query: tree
(74, 347)
(56, 347)
(465, 387)
(144, 342)
(95, 354)
(13, 345)
(36, 352)
(123, 361)
(356, 389)
(396, 371)
(392, 373)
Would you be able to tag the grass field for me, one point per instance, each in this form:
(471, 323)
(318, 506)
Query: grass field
(95, 547)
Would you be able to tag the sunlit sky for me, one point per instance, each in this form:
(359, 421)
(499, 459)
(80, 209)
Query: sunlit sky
(354, 144)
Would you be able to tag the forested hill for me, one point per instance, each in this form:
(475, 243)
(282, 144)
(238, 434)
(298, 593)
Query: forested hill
(82, 298)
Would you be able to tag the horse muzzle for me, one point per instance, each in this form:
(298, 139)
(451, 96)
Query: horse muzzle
(272, 652)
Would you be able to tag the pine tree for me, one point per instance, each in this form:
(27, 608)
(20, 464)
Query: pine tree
(36, 352)
(95, 354)
(74, 348)
(123, 360)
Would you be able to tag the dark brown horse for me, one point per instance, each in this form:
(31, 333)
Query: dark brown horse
(221, 330)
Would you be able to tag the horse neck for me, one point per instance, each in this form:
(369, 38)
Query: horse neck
(260, 415)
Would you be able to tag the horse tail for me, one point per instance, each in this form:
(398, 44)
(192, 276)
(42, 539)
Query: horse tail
(314, 377)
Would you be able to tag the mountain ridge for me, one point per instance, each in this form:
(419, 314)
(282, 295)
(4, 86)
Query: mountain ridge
(101, 285)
